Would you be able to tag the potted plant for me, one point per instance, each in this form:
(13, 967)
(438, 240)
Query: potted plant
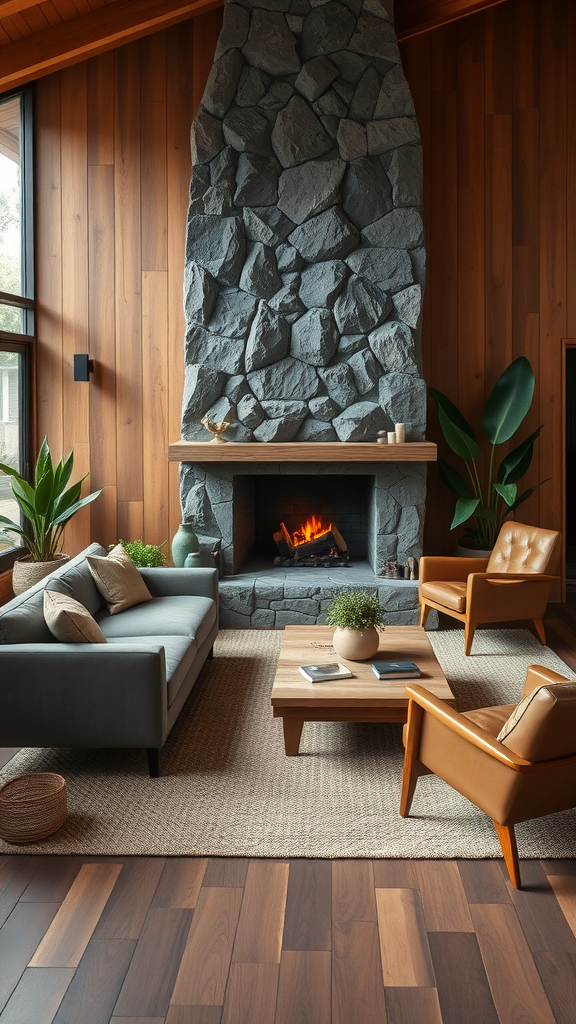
(47, 505)
(358, 616)
(487, 495)
(144, 556)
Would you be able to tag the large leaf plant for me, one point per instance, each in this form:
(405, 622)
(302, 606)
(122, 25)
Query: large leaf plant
(47, 504)
(487, 495)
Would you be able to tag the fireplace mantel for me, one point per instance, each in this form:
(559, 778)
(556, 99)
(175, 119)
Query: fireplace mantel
(331, 451)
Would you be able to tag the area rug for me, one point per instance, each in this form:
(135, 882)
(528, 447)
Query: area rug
(227, 788)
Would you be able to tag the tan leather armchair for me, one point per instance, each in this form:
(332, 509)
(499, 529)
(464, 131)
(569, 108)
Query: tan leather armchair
(529, 772)
(514, 583)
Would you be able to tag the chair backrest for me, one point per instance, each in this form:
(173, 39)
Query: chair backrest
(521, 548)
(542, 726)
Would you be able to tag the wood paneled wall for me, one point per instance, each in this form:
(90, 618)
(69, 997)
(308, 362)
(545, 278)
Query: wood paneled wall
(112, 178)
(495, 96)
(496, 100)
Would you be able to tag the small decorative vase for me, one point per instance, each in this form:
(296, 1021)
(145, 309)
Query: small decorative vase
(356, 644)
(26, 573)
(184, 543)
(199, 560)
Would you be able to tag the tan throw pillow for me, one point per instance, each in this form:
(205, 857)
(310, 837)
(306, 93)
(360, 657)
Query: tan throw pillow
(518, 714)
(118, 580)
(69, 621)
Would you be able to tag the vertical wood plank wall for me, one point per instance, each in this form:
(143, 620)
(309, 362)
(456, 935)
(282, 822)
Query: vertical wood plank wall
(496, 100)
(112, 177)
(495, 96)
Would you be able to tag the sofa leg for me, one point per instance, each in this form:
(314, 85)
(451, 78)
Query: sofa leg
(153, 754)
(211, 653)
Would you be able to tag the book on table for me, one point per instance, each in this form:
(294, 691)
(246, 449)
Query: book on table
(321, 673)
(395, 669)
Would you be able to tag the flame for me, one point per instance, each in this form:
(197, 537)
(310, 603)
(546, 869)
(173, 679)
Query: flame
(310, 530)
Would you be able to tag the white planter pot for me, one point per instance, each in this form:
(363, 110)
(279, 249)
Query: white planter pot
(356, 644)
(463, 552)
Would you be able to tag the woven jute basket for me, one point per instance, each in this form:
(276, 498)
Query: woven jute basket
(26, 573)
(32, 807)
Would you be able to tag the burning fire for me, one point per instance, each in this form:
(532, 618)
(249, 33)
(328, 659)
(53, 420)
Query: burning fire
(310, 530)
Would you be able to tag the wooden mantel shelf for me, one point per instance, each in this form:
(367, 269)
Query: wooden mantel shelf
(331, 451)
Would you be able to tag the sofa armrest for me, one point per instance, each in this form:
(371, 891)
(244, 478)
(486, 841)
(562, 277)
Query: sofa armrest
(169, 582)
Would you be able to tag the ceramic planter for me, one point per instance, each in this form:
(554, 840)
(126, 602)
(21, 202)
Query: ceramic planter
(356, 644)
(26, 573)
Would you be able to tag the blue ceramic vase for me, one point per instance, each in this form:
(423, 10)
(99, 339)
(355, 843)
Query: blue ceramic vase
(184, 543)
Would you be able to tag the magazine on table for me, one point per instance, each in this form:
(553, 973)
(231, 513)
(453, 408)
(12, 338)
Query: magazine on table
(395, 669)
(321, 673)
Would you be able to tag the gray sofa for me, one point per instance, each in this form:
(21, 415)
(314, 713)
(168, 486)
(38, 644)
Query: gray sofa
(125, 693)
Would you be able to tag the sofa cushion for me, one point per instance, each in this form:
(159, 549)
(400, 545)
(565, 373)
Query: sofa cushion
(180, 652)
(77, 582)
(118, 580)
(69, 621)
(22, 622)
(170, 616)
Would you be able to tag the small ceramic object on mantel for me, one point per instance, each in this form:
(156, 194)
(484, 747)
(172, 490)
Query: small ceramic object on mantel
(391, 437)
(400, 431)
(184, 543)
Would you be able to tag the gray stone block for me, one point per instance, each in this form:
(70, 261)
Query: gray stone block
(351, 343)
(200, 291)
(395, 348)
(262, 618)
(287, 299)
(284, 618)
(405, 618)
(252, 87)
(234, 620)
(256, 180)
(268, 341)
(409, 491)
(234, 29)
(266, 590)
(323, 408)
(359, 422)
(309, 188)
(257, 230)
(366, 193)
(214, 350)
(352, 139)
(331, 104)
(222, 410)
(365, 369)
(250, 412)
(247, 130)
(321, 283)
(401, 228)
(307, 606)
(394, 99)
(217, 201)
(339, 382)
(295, 23)
(408, 305)
(326, 30)
(418, 257)
(365, 96)
(202, 386)
(410, 532)
(271, 47)
(222, 83)
(206, 139)
(279, 431)
(218, 488)
(287, 258)
(236, 388)
(233, 313)
(375, 37)
(331, 124)
(350, 65)
(398, 595)
(315, 77)
(277, 409)
(316, 431)
(277, 96)
(329, 235)
(391, 269)
(360, 306)
(218, 245)
(196, 508)
(403, 397)
(298, 135)
(288, 378)
(380, 8)
(391, 133)
(270, 5)
(223, 168)
(314, 337)
(259, 275)
(405, 173)
(239, 433)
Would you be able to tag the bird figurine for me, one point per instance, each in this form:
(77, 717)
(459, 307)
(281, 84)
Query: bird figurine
(217, 429)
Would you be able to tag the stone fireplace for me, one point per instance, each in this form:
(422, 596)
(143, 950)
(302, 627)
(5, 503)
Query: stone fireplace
(304, 273)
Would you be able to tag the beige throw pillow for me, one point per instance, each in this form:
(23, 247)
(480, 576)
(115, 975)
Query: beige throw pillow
(518, 713)
(118, 580)
(69, 621)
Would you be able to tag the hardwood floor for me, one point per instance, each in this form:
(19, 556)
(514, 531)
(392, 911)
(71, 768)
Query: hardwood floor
(143, 940)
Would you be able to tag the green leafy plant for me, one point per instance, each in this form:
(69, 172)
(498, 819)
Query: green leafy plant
(355, 609)
(487, 496)
(47, 504)
(145, 556)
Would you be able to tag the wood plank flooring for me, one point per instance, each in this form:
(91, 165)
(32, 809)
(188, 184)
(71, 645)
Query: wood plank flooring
(143, 940)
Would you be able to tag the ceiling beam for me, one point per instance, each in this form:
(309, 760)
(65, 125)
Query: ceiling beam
(83, 37)
(413, 17)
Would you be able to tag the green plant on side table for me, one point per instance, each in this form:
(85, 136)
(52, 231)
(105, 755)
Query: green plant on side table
(47, 505)
(488, 495)
(145, 556)
(358, 616)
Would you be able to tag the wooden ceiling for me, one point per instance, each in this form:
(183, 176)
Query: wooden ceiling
(38, 38)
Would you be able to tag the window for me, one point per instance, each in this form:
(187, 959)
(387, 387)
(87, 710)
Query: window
(16, 296)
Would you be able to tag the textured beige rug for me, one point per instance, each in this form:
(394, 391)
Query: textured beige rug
(227, 788)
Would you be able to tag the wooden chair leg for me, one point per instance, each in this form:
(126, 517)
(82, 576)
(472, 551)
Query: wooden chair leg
(540, 630)
(424, 612)
(507, 839)
(469, 630)
(410, 773)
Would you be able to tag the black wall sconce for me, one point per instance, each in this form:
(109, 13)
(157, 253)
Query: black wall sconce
(83, 367)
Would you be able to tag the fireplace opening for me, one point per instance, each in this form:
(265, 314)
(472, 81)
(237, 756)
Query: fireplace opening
(314, 544)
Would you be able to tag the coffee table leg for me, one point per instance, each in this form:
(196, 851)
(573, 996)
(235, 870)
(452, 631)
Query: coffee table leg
(292, 733)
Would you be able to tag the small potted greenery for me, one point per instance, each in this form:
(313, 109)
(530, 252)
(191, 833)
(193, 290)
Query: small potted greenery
(358, 616)
(144, 556)
(47, 505)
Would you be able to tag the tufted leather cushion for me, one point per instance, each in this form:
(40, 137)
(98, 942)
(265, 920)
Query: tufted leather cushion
(522, 548)
(491, 719)
(542, 727)
(451, 594)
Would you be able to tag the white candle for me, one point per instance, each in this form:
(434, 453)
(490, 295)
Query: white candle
(400, 429)
(391, 437)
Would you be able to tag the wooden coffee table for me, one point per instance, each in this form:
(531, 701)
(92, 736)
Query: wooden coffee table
(363, 698)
